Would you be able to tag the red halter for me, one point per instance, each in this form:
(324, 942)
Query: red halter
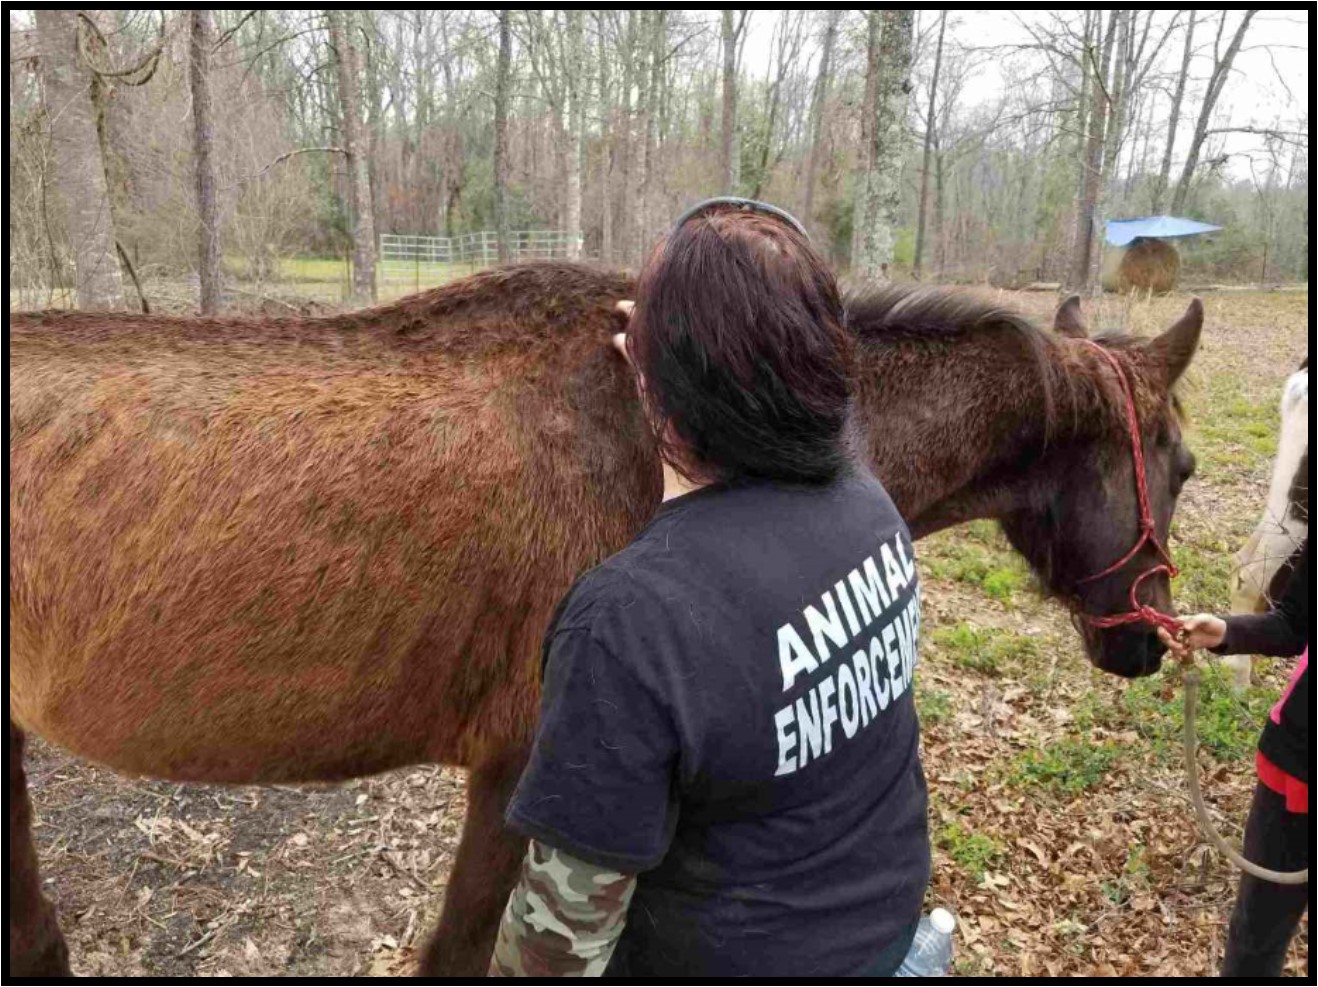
(1138, 612)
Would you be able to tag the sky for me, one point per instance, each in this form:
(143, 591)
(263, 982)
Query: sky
(1269, 85)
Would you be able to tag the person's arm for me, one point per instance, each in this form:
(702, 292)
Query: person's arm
(563, 918)
(1282, 631)
(597, 798)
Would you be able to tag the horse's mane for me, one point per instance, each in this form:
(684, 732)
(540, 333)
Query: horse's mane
(934, 313)
(908, 313)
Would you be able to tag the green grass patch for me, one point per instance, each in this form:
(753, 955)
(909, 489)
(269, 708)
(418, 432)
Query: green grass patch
(314, 269)
(1095, 709)
(1203, 584)
(933, 705)
(986, 650)
(1228, 723)
(1134, 879)
(1071, 765)
(1231, 430)
(977, 555)
(973, 852)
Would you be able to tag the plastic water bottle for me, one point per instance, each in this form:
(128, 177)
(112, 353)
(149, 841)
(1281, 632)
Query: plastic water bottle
(931, 950)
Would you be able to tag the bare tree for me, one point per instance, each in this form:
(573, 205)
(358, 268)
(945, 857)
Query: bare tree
(1086, 254)
(608, 141)
(645, 199)
(879, 198)
(80, 174)
(635, 217)
(868, 112)
(1174, 117)
(502, 84)
(1222, 61)
(788, 39)
(608, 120)
(734, 30)
(930, 125)
(373, 56)
(342, 24)
(201, 41)
(817, 106)
(1136, 54)
(575, 75)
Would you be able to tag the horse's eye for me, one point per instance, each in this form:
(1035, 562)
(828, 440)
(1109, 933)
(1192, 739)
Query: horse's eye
(1187, 463)
(1184, 464)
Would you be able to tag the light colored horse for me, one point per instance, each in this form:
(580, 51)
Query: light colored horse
(1263, 566)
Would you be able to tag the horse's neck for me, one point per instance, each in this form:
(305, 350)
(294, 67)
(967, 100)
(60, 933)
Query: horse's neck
(951, 434)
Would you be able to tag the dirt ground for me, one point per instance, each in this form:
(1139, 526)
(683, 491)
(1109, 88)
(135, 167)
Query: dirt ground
(1064, 841)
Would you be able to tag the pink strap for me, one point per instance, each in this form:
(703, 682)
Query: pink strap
(1300, 666)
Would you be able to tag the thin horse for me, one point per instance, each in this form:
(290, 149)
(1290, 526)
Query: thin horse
(311, 549)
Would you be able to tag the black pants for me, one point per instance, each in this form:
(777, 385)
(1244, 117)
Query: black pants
(1266, 914)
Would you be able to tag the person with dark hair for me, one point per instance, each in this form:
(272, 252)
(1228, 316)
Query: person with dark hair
(726, 778)
(1278, 834)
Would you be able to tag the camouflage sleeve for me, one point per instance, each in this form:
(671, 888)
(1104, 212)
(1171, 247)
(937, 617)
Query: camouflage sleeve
(563, 918)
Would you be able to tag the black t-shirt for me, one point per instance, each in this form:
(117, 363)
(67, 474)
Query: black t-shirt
(728, 713)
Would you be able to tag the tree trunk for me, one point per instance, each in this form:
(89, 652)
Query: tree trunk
(940, 222)
(1174, 120)
(607, 145)
(576, 119)
(1082, 134)
(342, 24)
(635, 218)
(860, 217)
(730, 156)
(501, 86)
(375, 126)
(1216, 82)
(79, 174)
(930, 122)
(624, 136)
(1087, 247)
(881, 197)
(1118, 95)
(203, 145)
(786, 51)
(649, 169)
(817, 107)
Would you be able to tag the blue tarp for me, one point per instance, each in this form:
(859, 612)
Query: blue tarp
(1122, 231)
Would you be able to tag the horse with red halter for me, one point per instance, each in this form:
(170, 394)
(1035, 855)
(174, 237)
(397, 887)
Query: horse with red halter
(301, 550)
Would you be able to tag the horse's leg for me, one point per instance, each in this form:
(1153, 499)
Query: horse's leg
(484, 873)
(36, 948)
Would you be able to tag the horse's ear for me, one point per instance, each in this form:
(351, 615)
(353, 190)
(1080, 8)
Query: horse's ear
(1070, 320)
(1173, 350)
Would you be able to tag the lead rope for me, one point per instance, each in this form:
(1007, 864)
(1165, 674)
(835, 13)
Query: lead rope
(1190, 682)
(1144, 613)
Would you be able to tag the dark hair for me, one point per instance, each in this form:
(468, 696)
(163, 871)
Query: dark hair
(740, 336)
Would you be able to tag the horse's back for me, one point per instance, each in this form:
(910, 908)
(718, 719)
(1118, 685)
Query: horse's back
(235, 557)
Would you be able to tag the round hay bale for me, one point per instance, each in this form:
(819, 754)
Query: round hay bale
(1146, 265)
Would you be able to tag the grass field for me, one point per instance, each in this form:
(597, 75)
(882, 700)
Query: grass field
(324, 281)
(328, 279)
(1063, 839)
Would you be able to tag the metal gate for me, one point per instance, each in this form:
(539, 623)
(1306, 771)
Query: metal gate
(422, 261)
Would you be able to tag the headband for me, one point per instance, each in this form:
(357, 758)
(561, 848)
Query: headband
(753, 205)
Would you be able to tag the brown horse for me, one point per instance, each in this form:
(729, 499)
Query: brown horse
(303, 550)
